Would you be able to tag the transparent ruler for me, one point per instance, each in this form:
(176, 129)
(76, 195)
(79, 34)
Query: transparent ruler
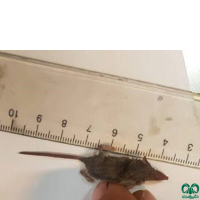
(85, 108)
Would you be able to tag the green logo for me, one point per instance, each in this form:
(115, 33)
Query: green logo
(193, 189)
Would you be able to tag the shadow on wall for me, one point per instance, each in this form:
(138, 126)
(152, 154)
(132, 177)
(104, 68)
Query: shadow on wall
(61, 185)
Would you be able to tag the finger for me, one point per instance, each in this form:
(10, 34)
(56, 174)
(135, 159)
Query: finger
(117, 192)
(143, 195)
(99, 190)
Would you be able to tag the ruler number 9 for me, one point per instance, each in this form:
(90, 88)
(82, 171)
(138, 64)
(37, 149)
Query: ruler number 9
(39, 118)
(64, 123)
(13, 113)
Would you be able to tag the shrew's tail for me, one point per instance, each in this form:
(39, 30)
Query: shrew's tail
(49, 154)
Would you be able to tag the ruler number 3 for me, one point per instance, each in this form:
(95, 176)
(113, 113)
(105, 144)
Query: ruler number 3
(190, 147)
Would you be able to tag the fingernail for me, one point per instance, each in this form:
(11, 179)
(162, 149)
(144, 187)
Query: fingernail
(146, 195)
(138, 194)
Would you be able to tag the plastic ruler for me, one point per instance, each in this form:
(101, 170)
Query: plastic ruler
(79, 107)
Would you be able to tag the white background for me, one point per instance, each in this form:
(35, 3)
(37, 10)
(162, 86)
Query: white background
(24, 177)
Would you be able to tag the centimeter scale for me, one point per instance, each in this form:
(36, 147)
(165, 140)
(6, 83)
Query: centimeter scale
(85, 108)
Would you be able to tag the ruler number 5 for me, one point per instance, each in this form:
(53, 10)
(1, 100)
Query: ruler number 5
(140, 136)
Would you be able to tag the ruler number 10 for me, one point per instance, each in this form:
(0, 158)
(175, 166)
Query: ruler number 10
(13, 113)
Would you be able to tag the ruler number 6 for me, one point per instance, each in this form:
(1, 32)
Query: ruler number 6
(114, 132)
(13, 113)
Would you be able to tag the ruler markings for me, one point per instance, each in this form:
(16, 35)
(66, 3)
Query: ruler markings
(174, 157)
(149, 152)
(99, 143)
(24, 129)
(137, 149)
(73, 139)
(112, 142)
(49, 134)
(61, 135)
(187, 158)
(12, 125)
(162, 153)
(37, 129)
(86, 140)
(92, 144)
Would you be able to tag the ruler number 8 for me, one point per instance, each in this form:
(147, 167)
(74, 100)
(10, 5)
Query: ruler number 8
(13, 113)
(64, 123)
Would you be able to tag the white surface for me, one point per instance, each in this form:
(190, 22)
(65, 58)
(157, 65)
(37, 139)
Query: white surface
(24, 177)
(192, 62)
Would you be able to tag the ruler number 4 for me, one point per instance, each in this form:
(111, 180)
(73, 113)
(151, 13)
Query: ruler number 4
(64, 123)
(165, 142)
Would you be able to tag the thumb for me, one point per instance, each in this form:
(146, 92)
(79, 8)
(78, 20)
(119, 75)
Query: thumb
(143, 195)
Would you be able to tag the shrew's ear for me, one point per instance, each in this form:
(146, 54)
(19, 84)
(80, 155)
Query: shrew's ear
(144, 160)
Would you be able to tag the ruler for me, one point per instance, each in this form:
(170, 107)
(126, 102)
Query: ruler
(85, 108)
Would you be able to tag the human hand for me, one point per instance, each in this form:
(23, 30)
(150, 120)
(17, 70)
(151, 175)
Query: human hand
(104, 191)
